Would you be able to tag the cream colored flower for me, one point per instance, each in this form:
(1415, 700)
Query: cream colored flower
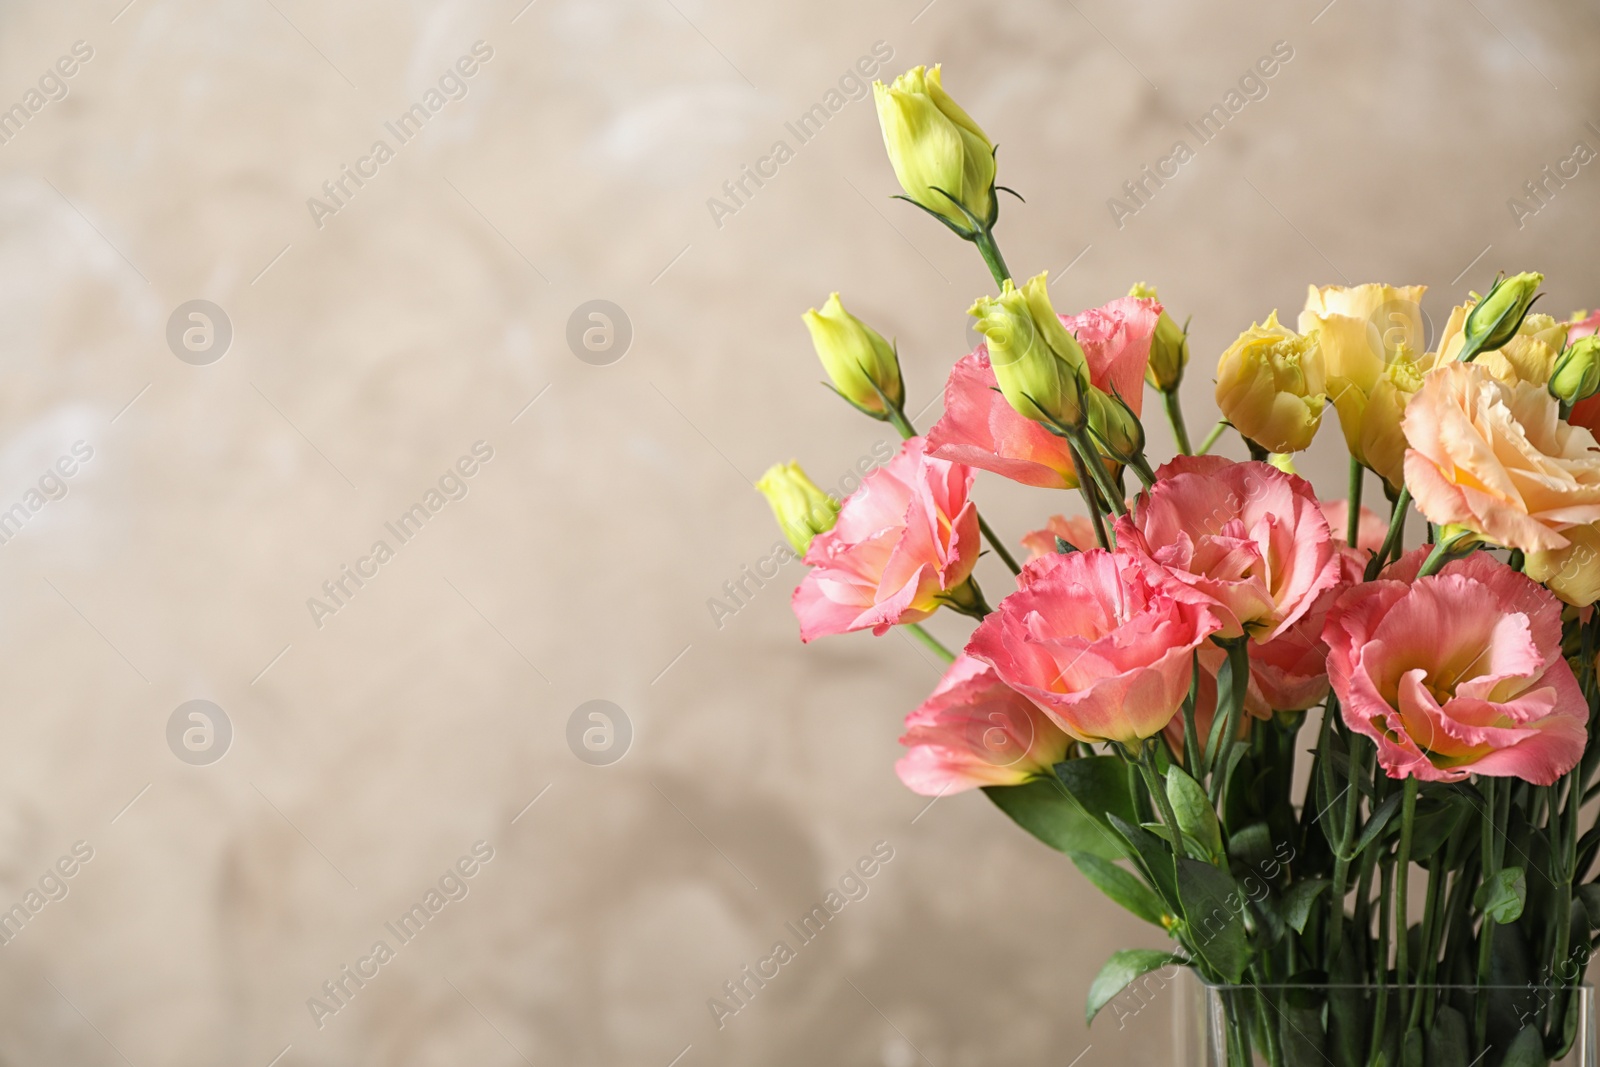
(1372, 341)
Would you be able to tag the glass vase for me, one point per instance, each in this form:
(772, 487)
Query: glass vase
(1366, 1026)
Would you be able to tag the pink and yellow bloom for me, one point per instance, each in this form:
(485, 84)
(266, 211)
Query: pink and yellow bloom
(1496, 458)
(1092, 639)
(902, 541)
(982, 429)
(1247, 538)
(974, 731)
(1458, 673)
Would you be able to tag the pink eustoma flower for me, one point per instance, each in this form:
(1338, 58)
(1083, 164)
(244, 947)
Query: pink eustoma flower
(1371, 530)
(974, 730)
(1097, 643)
(1116, 344)
(1247, 538)
(905, 538)
(1458, 673)
(1584, 327)
(979, 428)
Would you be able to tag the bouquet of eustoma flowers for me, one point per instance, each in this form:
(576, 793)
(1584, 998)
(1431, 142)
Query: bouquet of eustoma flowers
(1140, 699)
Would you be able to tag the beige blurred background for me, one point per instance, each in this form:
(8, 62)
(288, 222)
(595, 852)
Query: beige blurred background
(370, 753)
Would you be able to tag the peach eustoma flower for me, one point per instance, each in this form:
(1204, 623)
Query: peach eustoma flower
(905, 538)
(973, 731)
(1458, 673)
(1076, 531)
(1103, 648)
(981, 429)
(1497, 459)
(1245, 537)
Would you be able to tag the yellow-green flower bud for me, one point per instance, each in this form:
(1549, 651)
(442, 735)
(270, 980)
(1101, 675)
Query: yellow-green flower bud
(1115, 427)
(802, 510)
(1039, 366)
(1169, 346)
(1577, 373)
(859, 362)
(1496, 318)
(933, 145)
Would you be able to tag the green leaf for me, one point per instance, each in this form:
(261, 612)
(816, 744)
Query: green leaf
(1447, 1040)
(1153, 855)
(1211, 905)
(1527, 1050)
(1193, 810)
(1300, 1027)
(1252, 846)
(1044, 809)
(1121, 886)
(1297, 902)
(1120, 971)
(1436, 821)
(1411, 1048)
(1375, 825)
(1501, 897)
(1590, 896)
(1102, 784)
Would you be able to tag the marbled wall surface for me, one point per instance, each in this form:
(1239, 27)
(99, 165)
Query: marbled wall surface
(389, 335)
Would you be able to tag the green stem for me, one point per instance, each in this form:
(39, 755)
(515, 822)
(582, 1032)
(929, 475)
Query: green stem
(1491, 869)
(1385, 896)
(984, 239)
(1180, 430)
(1090, 497)
(1402, 918)
(1194, 754)
(998, 545)
(1239, 685)
(1394, 540)
(931, 642)
(1097, 470)
(1341, 857)
(1152, 782)
(1353, 524)
(1211, 438)
(897, 419)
